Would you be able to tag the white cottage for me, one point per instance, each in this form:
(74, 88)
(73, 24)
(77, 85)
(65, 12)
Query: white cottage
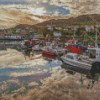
(57, 34)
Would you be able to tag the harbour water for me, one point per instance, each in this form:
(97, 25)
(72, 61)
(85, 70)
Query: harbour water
(43, 77)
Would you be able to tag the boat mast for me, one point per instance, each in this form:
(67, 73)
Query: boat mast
(74, 36)
(96, 44)
(96, 38)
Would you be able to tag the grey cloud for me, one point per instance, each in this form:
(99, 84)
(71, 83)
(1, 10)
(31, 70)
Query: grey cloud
(60, 86)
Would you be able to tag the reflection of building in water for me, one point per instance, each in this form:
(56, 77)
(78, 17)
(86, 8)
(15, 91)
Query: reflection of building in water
(12, 36)
(10, 42)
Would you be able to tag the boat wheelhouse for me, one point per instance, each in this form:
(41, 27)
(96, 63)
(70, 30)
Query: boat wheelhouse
(75, 48)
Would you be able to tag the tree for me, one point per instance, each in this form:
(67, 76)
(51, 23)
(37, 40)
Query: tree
(80, 30)
(45, 31)
(27, 33)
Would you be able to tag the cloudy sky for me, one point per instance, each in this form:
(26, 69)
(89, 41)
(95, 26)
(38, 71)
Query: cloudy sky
(14, 12)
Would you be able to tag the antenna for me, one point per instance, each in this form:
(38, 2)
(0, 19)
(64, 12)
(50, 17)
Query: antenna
(96, 31)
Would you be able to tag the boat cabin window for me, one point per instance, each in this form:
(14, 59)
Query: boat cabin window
(76, 47)
(92, 53)
(81, 48)
(69, 45)
(69, 56)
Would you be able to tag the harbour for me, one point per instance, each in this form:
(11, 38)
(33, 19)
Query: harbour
(50, 50)
(19, 75)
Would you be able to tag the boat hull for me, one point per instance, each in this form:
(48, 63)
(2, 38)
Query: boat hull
(76, 64)
(49, 53)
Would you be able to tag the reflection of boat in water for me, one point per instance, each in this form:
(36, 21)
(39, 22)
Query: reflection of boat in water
(70, 68)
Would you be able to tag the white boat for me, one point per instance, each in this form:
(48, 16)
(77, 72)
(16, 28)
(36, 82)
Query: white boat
(37, 47)
(93, 55)
(74, 60)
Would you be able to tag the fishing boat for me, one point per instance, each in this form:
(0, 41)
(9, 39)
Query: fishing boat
(37, 47)
(74, 47)
(54, 48)
(74, 60)
(26, 45)
(48, 50)
(93, 54)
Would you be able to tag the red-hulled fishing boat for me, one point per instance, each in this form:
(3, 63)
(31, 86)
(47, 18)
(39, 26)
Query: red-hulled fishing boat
(49, 53)
(53, 48)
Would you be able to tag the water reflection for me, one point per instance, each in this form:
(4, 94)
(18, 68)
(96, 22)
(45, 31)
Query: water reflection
(28, 71)
(69, 68)
(41, 78)
(83, 73)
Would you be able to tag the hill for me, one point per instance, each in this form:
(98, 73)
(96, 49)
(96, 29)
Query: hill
(79, 20)
(83, 19)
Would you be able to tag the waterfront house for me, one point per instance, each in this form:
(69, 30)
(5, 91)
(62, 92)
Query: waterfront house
(98, 25)
(69, 28)
(57, 34)
(65, 29)
(23, 32)
(50, 28)
(76, 27)
(18, 30)
(58, 28)
(87, 28)
(31, 35)
(48, 25)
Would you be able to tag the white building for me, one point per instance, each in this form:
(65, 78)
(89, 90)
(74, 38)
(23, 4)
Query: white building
(50, 28)
(18, 30)
(58, 28)
(57, 34)
(87, 28)
(97, 25)
(65, 29)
